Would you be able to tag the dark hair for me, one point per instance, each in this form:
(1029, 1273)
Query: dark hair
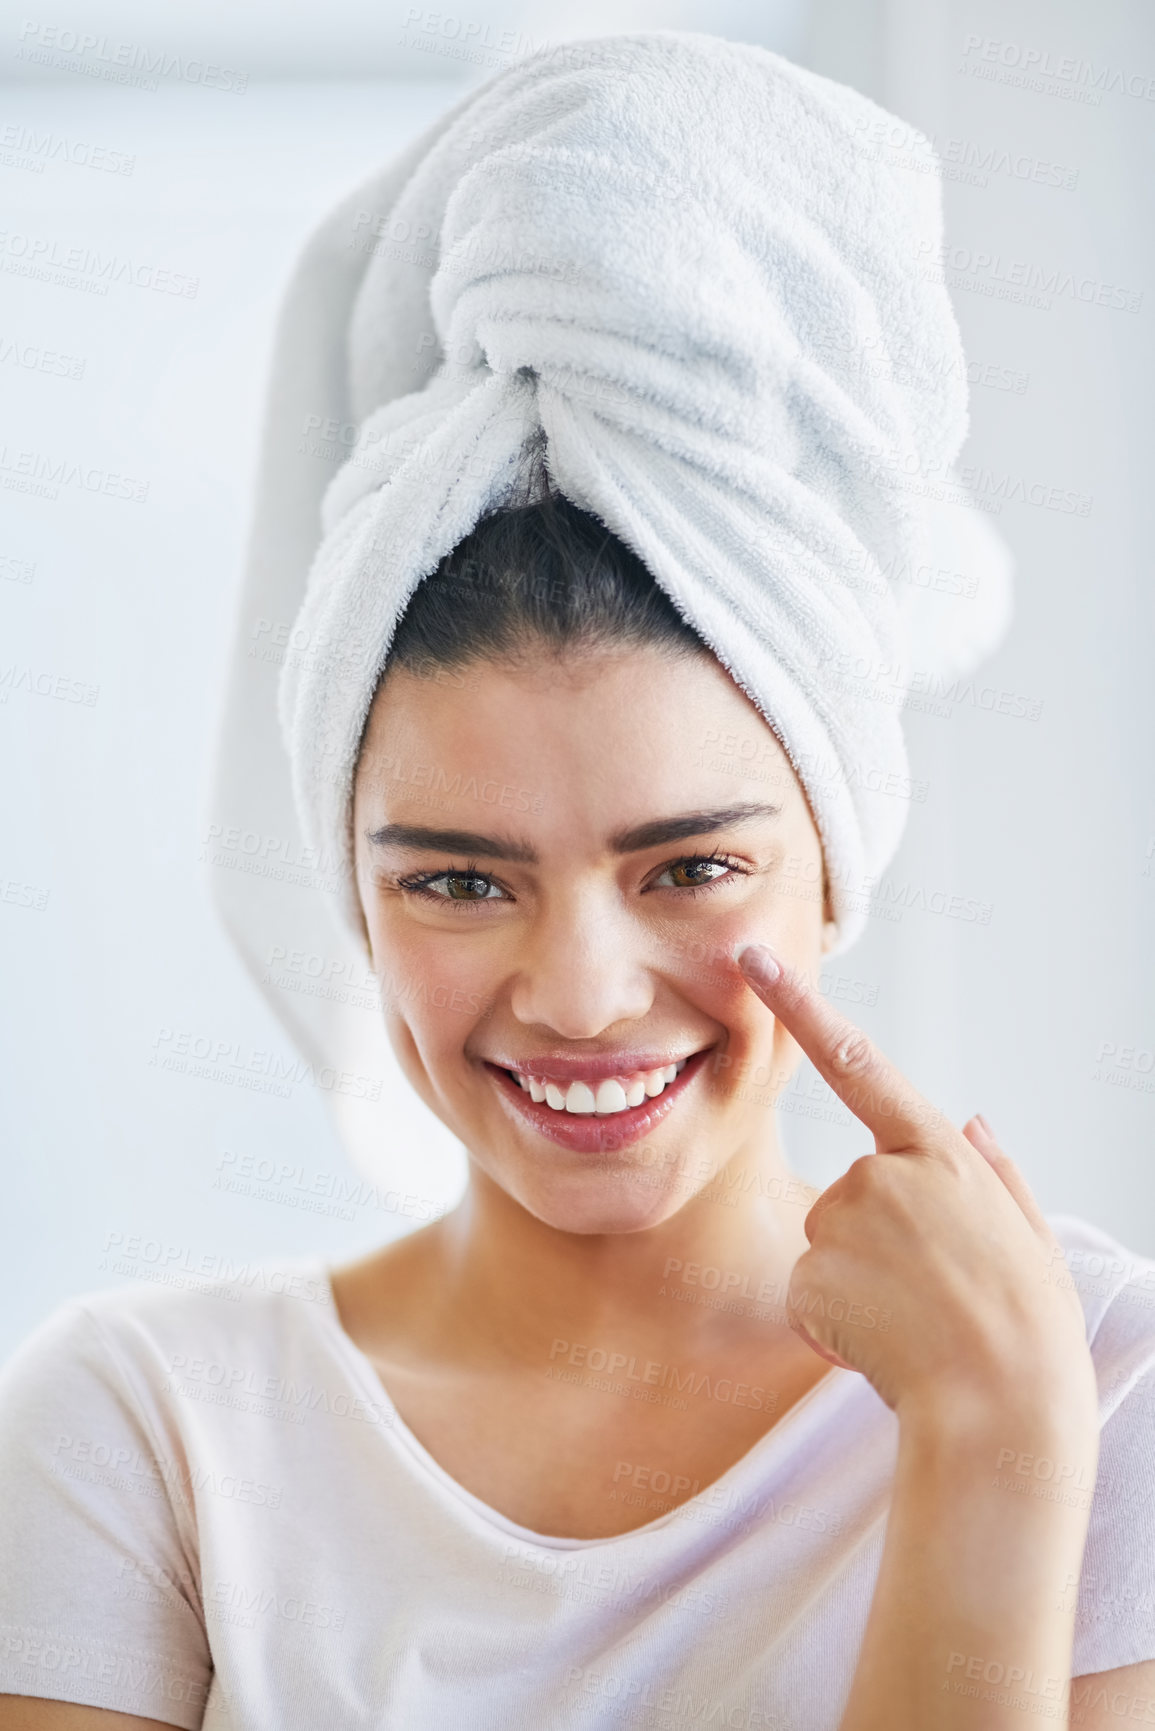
(542, 574)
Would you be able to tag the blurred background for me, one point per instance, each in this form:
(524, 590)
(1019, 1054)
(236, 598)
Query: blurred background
(159, 170)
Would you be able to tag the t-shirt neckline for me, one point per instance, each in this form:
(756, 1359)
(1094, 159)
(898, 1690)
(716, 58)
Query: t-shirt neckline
(768, 1443)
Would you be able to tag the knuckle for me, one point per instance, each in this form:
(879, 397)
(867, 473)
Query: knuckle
(815, 1215)
(886, 1181)
(825, 1221)
(869, 1177)
(802, 1271)
(864, 1170)
(806, 1279)
(853, 1055)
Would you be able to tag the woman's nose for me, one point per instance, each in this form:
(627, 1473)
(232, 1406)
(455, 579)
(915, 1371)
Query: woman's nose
(582, 970)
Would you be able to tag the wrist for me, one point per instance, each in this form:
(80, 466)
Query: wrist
(1058, 1422)
(1002, 1502)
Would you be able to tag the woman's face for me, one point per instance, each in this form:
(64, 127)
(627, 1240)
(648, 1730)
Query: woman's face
(557, 864)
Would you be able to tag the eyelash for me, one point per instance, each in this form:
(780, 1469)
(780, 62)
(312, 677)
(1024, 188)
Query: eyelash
(418, 884)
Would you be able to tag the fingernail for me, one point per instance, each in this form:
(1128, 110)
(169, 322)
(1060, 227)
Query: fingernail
(759, 963)
(985, 1127)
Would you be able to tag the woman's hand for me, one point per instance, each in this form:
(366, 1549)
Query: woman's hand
(931, 1269)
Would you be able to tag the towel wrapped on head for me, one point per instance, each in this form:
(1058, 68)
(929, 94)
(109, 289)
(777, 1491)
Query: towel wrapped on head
(680, 260)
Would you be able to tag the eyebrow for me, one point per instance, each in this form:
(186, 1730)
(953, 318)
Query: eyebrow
(656, 833)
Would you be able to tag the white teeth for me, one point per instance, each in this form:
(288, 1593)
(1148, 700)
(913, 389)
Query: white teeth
(614, 1094)
(610, 1097)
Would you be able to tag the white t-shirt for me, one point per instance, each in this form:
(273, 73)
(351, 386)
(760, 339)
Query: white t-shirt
(212, 1515)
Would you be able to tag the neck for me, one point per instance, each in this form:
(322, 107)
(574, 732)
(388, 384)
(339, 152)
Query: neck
(504, 1285)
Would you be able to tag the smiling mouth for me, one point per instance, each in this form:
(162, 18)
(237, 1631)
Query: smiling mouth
(595, 1116)
(606, 1098)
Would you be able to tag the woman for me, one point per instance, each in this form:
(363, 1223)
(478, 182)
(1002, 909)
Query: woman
(642, 1432)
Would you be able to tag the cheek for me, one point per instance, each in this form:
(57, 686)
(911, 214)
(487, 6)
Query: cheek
(784, 911)
(698, 959)
(435, 985)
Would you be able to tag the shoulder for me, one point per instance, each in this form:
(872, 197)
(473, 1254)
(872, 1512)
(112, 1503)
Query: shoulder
(1115, 1610)
(1116, 1286)
(130, 1337)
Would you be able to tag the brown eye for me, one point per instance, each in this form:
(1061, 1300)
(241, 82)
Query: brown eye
(466, 889)
(461, 887)
(691, 874)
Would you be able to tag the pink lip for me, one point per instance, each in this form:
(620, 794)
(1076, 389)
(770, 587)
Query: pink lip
(586, 1133)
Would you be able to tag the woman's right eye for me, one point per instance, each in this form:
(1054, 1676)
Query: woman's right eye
(467, 887)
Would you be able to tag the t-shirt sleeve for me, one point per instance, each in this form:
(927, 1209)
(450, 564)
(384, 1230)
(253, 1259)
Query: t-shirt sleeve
(1115, 1611)
(99, 1593)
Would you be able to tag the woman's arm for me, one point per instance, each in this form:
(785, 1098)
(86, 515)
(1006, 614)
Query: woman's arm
(968, 1627)
(986, 1367)
(1101, 1700)
(30, 1713)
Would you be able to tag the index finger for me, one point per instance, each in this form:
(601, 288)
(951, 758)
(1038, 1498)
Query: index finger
(876, 1092)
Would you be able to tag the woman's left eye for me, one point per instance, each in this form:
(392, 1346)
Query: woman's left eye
(697, 873)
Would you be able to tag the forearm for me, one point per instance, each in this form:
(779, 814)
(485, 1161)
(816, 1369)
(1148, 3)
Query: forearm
(971, 1625)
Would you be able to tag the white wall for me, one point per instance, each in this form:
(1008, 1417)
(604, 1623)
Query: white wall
(128, 603)
(134, 599)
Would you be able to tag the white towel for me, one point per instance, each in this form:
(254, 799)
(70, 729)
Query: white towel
(673, 254)
(678, 256)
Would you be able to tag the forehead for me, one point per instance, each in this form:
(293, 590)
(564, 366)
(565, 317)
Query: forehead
(604, 738)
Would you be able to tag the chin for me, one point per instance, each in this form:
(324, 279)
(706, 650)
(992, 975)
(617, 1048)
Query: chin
(603, 1196)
